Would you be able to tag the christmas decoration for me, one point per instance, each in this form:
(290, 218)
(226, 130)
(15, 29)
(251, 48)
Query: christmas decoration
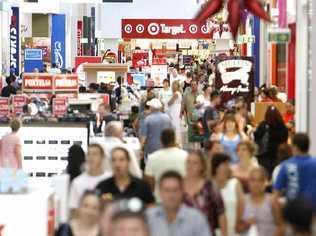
(235, 9)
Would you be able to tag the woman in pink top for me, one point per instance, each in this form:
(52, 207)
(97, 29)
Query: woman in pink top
(10, 151)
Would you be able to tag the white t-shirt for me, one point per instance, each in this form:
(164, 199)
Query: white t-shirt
(164, 160)
(165, 96)
(81, 184)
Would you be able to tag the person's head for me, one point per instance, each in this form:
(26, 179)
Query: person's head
(114, 129)
(246, 150)
(76, 159)
(8, 80)
(127, 223)
(189, 75)
(95, 157)
(212, 147)
(196, 164)
(89, 208)
(273, 92)
(54, 65)
(166, 84)
(300, 144)
(207, 89)
(230, 123)
(103, 109)
(290, 107)
(220, 166)
(284, 152)
(154, 104)
(215, 98)
(120, 159)
(241, 107)
(171, 190)
(299, 214)
(257, 181)
(194, 85)
(15, 125)
(176, 86)
(168, 138)
(273, 117)
(174, 73)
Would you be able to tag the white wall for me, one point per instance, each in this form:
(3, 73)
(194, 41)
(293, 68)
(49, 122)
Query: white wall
(112, 13)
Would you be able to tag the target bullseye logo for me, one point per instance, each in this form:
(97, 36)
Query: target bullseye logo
(128, 28)
(153, 29)
(193, 29)
(204, 29)
(140, 28)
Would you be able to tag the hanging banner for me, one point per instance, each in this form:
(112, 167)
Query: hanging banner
(79, 37)
(4, 107)
(66, 82)
(58, 40)
(164, 29)
(33, 59)
(92, 32)
(15, 41)
(235, 78)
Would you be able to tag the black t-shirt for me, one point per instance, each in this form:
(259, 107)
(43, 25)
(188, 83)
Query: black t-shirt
(7, 91)
(210, 114)
(137, 189)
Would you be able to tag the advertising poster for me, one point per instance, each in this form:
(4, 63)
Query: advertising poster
(139, 79)
(58, 39)
(18, 101)
(4, 107)
(15, 40)
(59, 106)
(106, 77)
(66, 82)
(37, 82)
(79, 37)
(33, 58)
(140, 58)
(159, 73)
(235, 77)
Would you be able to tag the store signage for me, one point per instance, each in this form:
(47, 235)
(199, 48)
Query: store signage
(59, 106)
(140, 58)
(37, 82)
(79, 37)
(66, 82)
(86, 59)
(246, 39)
(4, 107)
(106, 77)
(164, 29)
(18, 102)
(235, 77)
(58, 39)
(33, 54)
(15, 40)
(159, 73)
(33, 58)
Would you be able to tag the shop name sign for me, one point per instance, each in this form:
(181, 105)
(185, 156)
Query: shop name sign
(38, 82)
(66, 82)
(164, 29)
(15, 41)
(235, 77)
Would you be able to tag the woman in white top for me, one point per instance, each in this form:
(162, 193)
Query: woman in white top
(165, 94)
(204, 100)
(230, 189)
(174, 110)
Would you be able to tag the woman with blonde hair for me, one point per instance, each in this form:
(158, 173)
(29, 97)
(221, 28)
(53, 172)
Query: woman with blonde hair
(10, 148)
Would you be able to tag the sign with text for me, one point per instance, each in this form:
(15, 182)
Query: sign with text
(106, 77)
(79, 37)
(33, 58)
(164, 29)
(66, 82)
(37, 82)
(140, 58)
(235, 77)
(15, 40)
(18, 101)
(4, 107)
(59, 106)
(58, 37)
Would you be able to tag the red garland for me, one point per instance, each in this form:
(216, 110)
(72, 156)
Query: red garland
(235, 8)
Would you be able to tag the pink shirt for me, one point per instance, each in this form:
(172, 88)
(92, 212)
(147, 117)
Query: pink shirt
(7, 152)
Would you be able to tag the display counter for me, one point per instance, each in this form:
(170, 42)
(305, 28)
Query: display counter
(45, 147)
(28, 214)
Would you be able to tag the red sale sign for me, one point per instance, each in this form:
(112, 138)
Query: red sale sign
(18, 101)
(164, 29)
(59, 106)
(4, 107)
(66, 82)
(36, 82)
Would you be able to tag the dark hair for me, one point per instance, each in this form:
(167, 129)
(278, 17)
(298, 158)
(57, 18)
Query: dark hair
(230, 117)
(208, 145)
(273, 117)
(301, 141)
(202, 160)
(205, 87)
(194, 80)
(166, 80)
(284, 152)
(217, 160)
(76, 158)
(215, 94)
(98, 146)
(299, 214)
(168, 137)
(123, 149)
(54, 65)
(8, 80)
(189, 74)
(171, 174)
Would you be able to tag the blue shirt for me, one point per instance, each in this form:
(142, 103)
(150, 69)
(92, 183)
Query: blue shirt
(230, 147)
(189, 222)
(152, 128)
(297, 177)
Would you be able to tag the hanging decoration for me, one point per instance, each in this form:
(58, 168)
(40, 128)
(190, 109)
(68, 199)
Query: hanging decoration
(235, 9)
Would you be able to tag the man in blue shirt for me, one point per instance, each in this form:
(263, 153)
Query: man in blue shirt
(297, 175)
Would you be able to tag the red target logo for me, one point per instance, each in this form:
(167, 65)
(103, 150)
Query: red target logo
(153, 29)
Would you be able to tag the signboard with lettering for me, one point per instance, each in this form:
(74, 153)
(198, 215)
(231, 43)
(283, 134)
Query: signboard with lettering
(59, 106)
(79, 37)
(164, 29)
(106, 77)
(37, 82)
(33, 58)
(4, 107)
(58, 37)
(18, 101)
(15, 40)
(66, 82)
(235, 77)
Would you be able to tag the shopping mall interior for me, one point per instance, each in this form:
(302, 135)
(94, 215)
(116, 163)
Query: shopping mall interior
(157, 117)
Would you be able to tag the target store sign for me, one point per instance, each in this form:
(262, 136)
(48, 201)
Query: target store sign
(164, 29)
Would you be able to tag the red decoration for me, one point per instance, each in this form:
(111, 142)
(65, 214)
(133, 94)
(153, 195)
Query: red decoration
(235, 8)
